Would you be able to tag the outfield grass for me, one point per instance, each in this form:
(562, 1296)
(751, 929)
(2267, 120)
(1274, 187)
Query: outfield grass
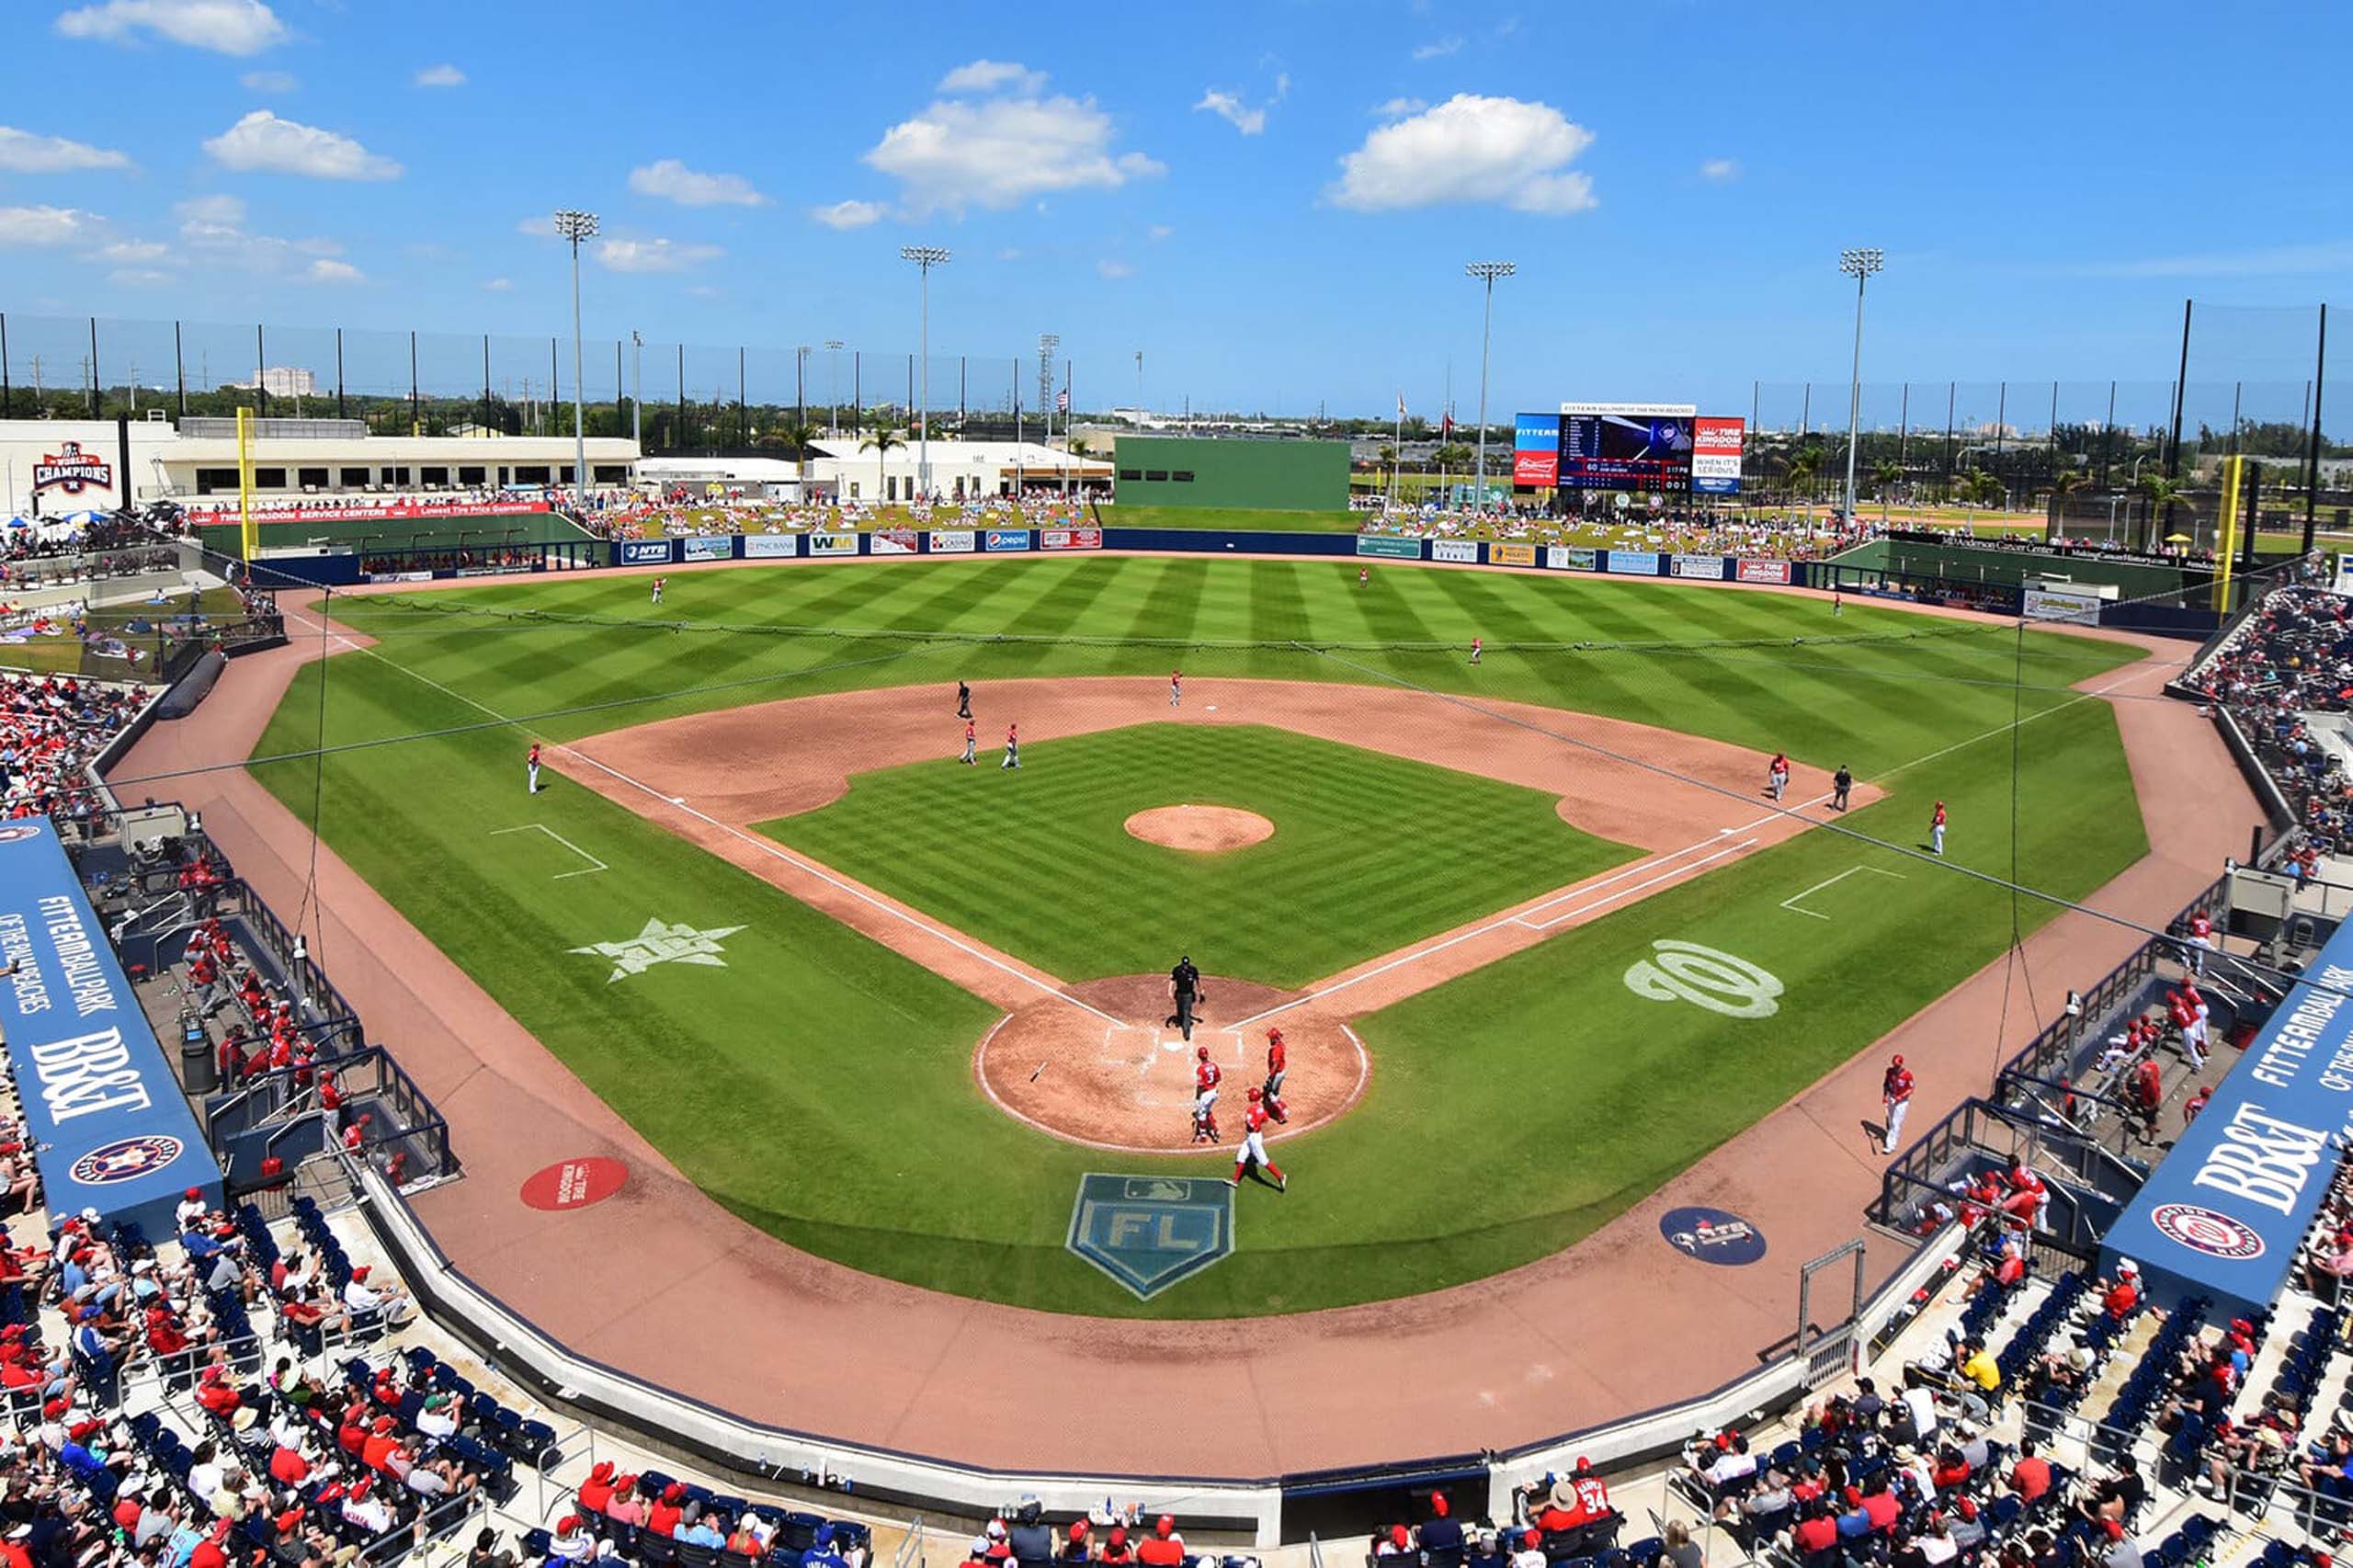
(819, 1087)
(1058, 881)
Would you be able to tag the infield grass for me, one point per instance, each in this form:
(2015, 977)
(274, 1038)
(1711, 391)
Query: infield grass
(820, 1085)
(1056, 878)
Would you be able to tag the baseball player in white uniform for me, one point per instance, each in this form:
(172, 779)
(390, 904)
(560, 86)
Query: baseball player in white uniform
(1206, 1078)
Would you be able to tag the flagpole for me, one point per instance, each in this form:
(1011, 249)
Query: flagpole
(1397, 453)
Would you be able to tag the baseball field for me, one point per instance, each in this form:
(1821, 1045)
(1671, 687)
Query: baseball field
(762, 913)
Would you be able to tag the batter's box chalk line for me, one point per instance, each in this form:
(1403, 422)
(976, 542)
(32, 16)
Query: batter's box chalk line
(594, 865)
(1794, 900)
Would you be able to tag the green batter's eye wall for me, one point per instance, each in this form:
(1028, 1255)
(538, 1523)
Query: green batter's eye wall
(1282, 476)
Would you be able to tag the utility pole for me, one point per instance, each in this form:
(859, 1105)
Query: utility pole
(636, 391)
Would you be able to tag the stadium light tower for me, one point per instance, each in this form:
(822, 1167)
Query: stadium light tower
(925, 258)
(576, 227)
(1486, 272)
(1858, 264)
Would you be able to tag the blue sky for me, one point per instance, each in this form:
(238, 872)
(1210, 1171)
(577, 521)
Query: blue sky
(1272, 201)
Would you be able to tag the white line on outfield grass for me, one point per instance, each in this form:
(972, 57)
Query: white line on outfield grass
(764, 846)
(1792, 902)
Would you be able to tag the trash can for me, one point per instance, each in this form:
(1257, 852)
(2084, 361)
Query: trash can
(199, 1068)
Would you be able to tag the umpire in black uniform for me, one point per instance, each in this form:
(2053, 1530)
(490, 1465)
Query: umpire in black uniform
(1184, 993)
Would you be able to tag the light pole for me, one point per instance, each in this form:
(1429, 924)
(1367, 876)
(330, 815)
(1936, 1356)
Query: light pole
(576, 227)
(832, 386)
(1858, 264)
(1487, 272)
(636, 391)
(925, 257)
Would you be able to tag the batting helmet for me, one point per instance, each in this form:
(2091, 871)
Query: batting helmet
(1202, 1052)
(1256, 1093)
(1274, 1035)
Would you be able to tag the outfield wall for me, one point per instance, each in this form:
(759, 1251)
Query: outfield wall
(1281, 476)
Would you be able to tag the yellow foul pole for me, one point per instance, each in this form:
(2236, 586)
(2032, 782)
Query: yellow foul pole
(2227, 531)
(248, 532)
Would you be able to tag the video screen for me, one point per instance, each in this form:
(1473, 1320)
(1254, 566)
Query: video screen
(1621, 451)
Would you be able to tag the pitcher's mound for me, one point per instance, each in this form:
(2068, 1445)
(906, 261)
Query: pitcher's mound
(1205, 830)
(1120, 1078)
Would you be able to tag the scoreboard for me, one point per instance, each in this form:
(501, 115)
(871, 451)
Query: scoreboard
(1637, 446)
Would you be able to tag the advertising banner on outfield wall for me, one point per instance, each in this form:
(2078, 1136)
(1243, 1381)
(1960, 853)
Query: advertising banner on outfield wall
(1389, 545)
(1511, 555)
(833, 544)
(1571, 557)
(771, 547)
(954, 541)
(645, 551)
(1707, 568)
(891, 542)
(1005, 539)
(1070, 538)
(1455, 550)
(2054, 604)
(1764, 572)
(709, 547)
(108, 1126)
(1715, 456)
(1634, 563)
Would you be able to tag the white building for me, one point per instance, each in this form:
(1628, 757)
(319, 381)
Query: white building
(841, 468)
(72, 465)
(283, 380)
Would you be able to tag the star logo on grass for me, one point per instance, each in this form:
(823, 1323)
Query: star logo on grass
(661, 943)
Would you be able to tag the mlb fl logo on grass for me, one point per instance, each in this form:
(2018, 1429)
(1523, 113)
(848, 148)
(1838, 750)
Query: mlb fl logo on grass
(1705, 977)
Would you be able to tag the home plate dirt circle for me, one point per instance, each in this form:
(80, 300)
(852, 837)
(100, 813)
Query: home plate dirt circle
(1204, 830)
(1125, 1083)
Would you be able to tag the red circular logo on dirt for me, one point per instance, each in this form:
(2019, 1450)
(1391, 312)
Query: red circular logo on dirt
(2204, 1231)
(575, 1184)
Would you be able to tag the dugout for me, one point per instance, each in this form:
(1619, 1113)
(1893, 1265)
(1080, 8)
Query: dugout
(1277, 476)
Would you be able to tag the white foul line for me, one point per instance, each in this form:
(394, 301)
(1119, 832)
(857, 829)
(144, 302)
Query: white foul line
(594, 863)
(762, 844)
(1790, 902)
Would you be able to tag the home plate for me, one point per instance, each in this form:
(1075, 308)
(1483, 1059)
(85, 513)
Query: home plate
(1210, 708)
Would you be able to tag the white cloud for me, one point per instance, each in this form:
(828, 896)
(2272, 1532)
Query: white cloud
(1398, 108)
(442, 75)
(325, 271)
(1114, 270)
(850, 215)
(999, 153)
(500, 286)
(222, 211)
(27, 227)
(652, 255)
(673, 181)
(262, 143)
(1469, 149)
(22, 152)
(1233, 111)
(225, 26)
(992, 76)
(1721, 171)
(138, 277)
(542, 226)
(268, 82)
(1160, 231)
(1438, 48)
(212, 232)
(134, 250)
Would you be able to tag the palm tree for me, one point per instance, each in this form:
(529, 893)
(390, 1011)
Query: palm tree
(2162, 494)
(1886, 474)
(883, 439)
(1803, 466)
(797, 435)
(1078, 446)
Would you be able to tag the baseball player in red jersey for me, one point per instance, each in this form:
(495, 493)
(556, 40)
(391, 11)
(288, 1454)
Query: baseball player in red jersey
(1206, 1078)
(1936, 830)
(1777, 776)
(1278, 1063)
(1254, 1147)
(2201, 940)
(971, 739)
(1012, 748)
(1895, 1094)
(1176, 689)
(531, 768)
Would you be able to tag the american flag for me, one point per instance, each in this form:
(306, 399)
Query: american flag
(1062, 401)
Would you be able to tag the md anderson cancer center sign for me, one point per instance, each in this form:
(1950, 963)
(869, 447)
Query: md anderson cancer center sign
(2223, 1215)
(106, 1113)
